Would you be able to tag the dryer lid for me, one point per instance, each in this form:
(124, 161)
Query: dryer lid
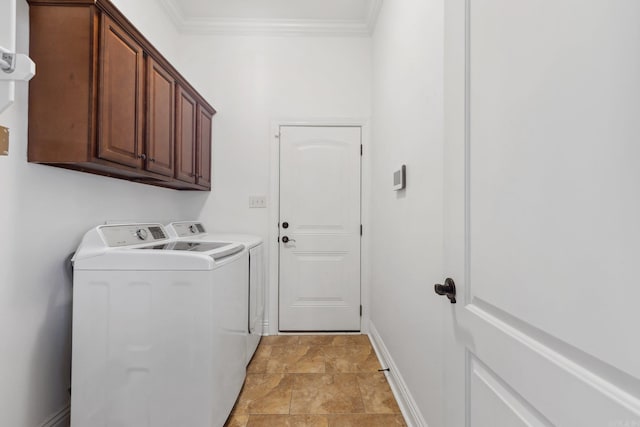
(217, 250)
(188, 246)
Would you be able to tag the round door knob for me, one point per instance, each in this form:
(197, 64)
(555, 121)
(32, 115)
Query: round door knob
(285, 225)
(448, 289)
(285, 239)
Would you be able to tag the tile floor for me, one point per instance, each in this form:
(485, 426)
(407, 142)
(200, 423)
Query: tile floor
(316, 381)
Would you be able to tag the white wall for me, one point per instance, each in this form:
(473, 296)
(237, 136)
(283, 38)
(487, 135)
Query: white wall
(253, 81)
(406, 250)
(44, 212)
(150, 18)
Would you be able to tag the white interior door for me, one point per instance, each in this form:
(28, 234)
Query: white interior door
(542, 212)
(319, 228)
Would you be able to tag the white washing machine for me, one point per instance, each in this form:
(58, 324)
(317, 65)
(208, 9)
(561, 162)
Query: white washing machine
(159, 329)
(196, 231)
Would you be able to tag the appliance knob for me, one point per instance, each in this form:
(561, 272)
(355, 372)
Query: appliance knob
(142, 234)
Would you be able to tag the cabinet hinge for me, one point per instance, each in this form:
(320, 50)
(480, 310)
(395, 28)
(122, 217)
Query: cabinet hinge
(360, 310)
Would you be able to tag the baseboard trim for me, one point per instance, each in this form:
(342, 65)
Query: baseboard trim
(62, 418)
(408, 406)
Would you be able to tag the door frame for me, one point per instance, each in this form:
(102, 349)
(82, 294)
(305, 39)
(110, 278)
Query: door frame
(271, 326)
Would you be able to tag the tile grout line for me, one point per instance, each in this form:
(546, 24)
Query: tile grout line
(364, 408)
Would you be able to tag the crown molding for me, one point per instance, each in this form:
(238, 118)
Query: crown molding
(174, 12)
(289, 27)
(281, 27)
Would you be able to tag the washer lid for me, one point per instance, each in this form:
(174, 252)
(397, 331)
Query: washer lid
(147, 247)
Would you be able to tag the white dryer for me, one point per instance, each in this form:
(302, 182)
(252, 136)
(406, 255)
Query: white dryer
(196, 231)
(158, 329)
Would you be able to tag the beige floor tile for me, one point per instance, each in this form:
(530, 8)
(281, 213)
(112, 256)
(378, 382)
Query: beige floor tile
(236, 420)
(265, 394)
(316, 339)
(376, 394)
(355, 358)
(260, 359)
(301, 359)
(326, 394)
(288, 421)
(263, 350)
(366, 420)
(280, 340)
(350, 340)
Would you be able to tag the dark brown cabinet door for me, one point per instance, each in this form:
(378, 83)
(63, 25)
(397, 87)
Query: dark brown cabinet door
(106, 101)
(203, 164)
(160, 119)
(120, 132)
(186, 110)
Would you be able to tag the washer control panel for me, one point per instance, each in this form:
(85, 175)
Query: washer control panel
(187, 229)
(132, 234)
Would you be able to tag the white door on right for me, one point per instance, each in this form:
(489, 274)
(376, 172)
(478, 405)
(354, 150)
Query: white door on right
(542, 197)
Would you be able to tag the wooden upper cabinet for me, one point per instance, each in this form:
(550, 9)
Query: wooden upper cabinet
(186, 110)
(160, 119)
(203, 156)
(105, 101)
(120, 137)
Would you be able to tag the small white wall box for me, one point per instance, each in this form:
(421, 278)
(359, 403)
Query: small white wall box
(400, 178)
(16, 66)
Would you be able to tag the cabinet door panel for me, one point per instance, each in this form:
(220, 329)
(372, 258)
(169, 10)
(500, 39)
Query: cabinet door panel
(185, 136)
(203, 171)
(160, 119)
(121, 96)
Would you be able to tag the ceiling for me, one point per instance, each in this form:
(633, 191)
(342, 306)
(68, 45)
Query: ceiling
(329, 17)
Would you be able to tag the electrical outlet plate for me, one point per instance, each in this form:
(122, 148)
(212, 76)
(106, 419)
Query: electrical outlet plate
(257, 201)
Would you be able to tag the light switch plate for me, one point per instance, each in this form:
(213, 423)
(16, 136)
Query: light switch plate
(257, 201)
(4, 141)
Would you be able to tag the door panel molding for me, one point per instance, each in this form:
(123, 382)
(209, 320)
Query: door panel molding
(569, 378)
(493, 396)
(598, 374)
